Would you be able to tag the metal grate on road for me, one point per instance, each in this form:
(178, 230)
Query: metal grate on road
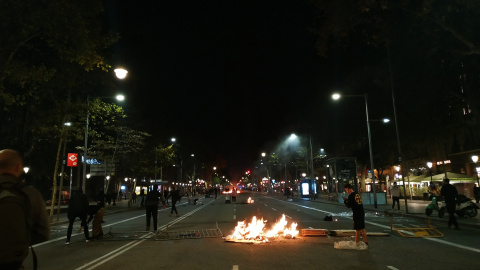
(189, 234)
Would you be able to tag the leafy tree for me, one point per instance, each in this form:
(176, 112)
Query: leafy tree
(434, 55)
(44, 46)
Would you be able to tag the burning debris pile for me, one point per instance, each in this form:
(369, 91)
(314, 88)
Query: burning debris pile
(254, 232)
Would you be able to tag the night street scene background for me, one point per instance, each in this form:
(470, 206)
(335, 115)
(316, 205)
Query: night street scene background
(231, 82)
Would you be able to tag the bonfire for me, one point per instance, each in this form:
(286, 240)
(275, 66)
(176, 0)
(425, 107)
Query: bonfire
(254, 232)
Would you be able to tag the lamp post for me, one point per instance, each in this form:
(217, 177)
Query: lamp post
(85, 143)
(193, 175)
(475, 160)
(429, 165)
(337, 96)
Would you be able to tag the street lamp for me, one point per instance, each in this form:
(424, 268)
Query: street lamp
(429, 165)
(475, 160)
(120, 73)
(337, 96)
(84, 169)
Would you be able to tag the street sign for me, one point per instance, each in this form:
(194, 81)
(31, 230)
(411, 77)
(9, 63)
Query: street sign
(72, 160)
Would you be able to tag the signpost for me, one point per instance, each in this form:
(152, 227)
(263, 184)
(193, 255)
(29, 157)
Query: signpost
(72, 161)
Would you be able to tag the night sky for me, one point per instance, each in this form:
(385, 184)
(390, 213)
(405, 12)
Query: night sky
(235, 77)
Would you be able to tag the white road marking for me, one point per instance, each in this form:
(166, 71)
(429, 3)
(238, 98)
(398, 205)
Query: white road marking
(388, 227)
(107, 257)
(122, 221)
(235, 267)
(234, 217)
(274, 209)
(112, 254)
(391, 267)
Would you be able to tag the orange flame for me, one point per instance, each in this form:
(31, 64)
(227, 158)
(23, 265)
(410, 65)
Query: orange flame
(254, 231)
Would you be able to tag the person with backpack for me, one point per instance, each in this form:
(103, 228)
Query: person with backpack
(22, 208)
(77, 207)
(151, 205)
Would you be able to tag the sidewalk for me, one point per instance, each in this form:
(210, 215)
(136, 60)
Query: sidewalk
(120, 206)
(416, 209)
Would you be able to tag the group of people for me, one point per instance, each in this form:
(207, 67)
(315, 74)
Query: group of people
(81, 208)
(354, 201)
(448, 191)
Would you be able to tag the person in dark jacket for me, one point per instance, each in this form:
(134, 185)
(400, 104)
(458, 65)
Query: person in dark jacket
(11, 174)
(354, 201)
(78, 207)
(100, 198)
(476, 193)
(142, 197)
(151, 205)
(450, 193)
(175, 195)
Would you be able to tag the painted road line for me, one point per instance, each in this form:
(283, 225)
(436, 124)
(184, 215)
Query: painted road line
(388, 227)
(107, 257)
(112, 254)
(118, 222)
(391, 267)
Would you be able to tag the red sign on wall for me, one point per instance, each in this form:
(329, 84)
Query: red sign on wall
(72, 160)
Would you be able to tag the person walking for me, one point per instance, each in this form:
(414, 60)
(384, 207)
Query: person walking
(354, 201)
(77, 207)
(395, 191)
(151, 205)
(450, 193)
(175, 195)
(14, 250)
(216, 191)
(142, 197)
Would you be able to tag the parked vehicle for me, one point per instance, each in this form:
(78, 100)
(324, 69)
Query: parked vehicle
(465, 206)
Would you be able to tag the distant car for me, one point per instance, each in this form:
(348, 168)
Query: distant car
(63, 202)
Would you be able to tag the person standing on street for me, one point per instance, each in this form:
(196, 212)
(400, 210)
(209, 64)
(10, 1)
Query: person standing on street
(151, 205)
(234, 195)
(78, 207)
(450, 193)
(14, 246)
(142, 197)
(114, 198)
(476, 193)
(101, 198)
(354, 201)
(395, 195)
